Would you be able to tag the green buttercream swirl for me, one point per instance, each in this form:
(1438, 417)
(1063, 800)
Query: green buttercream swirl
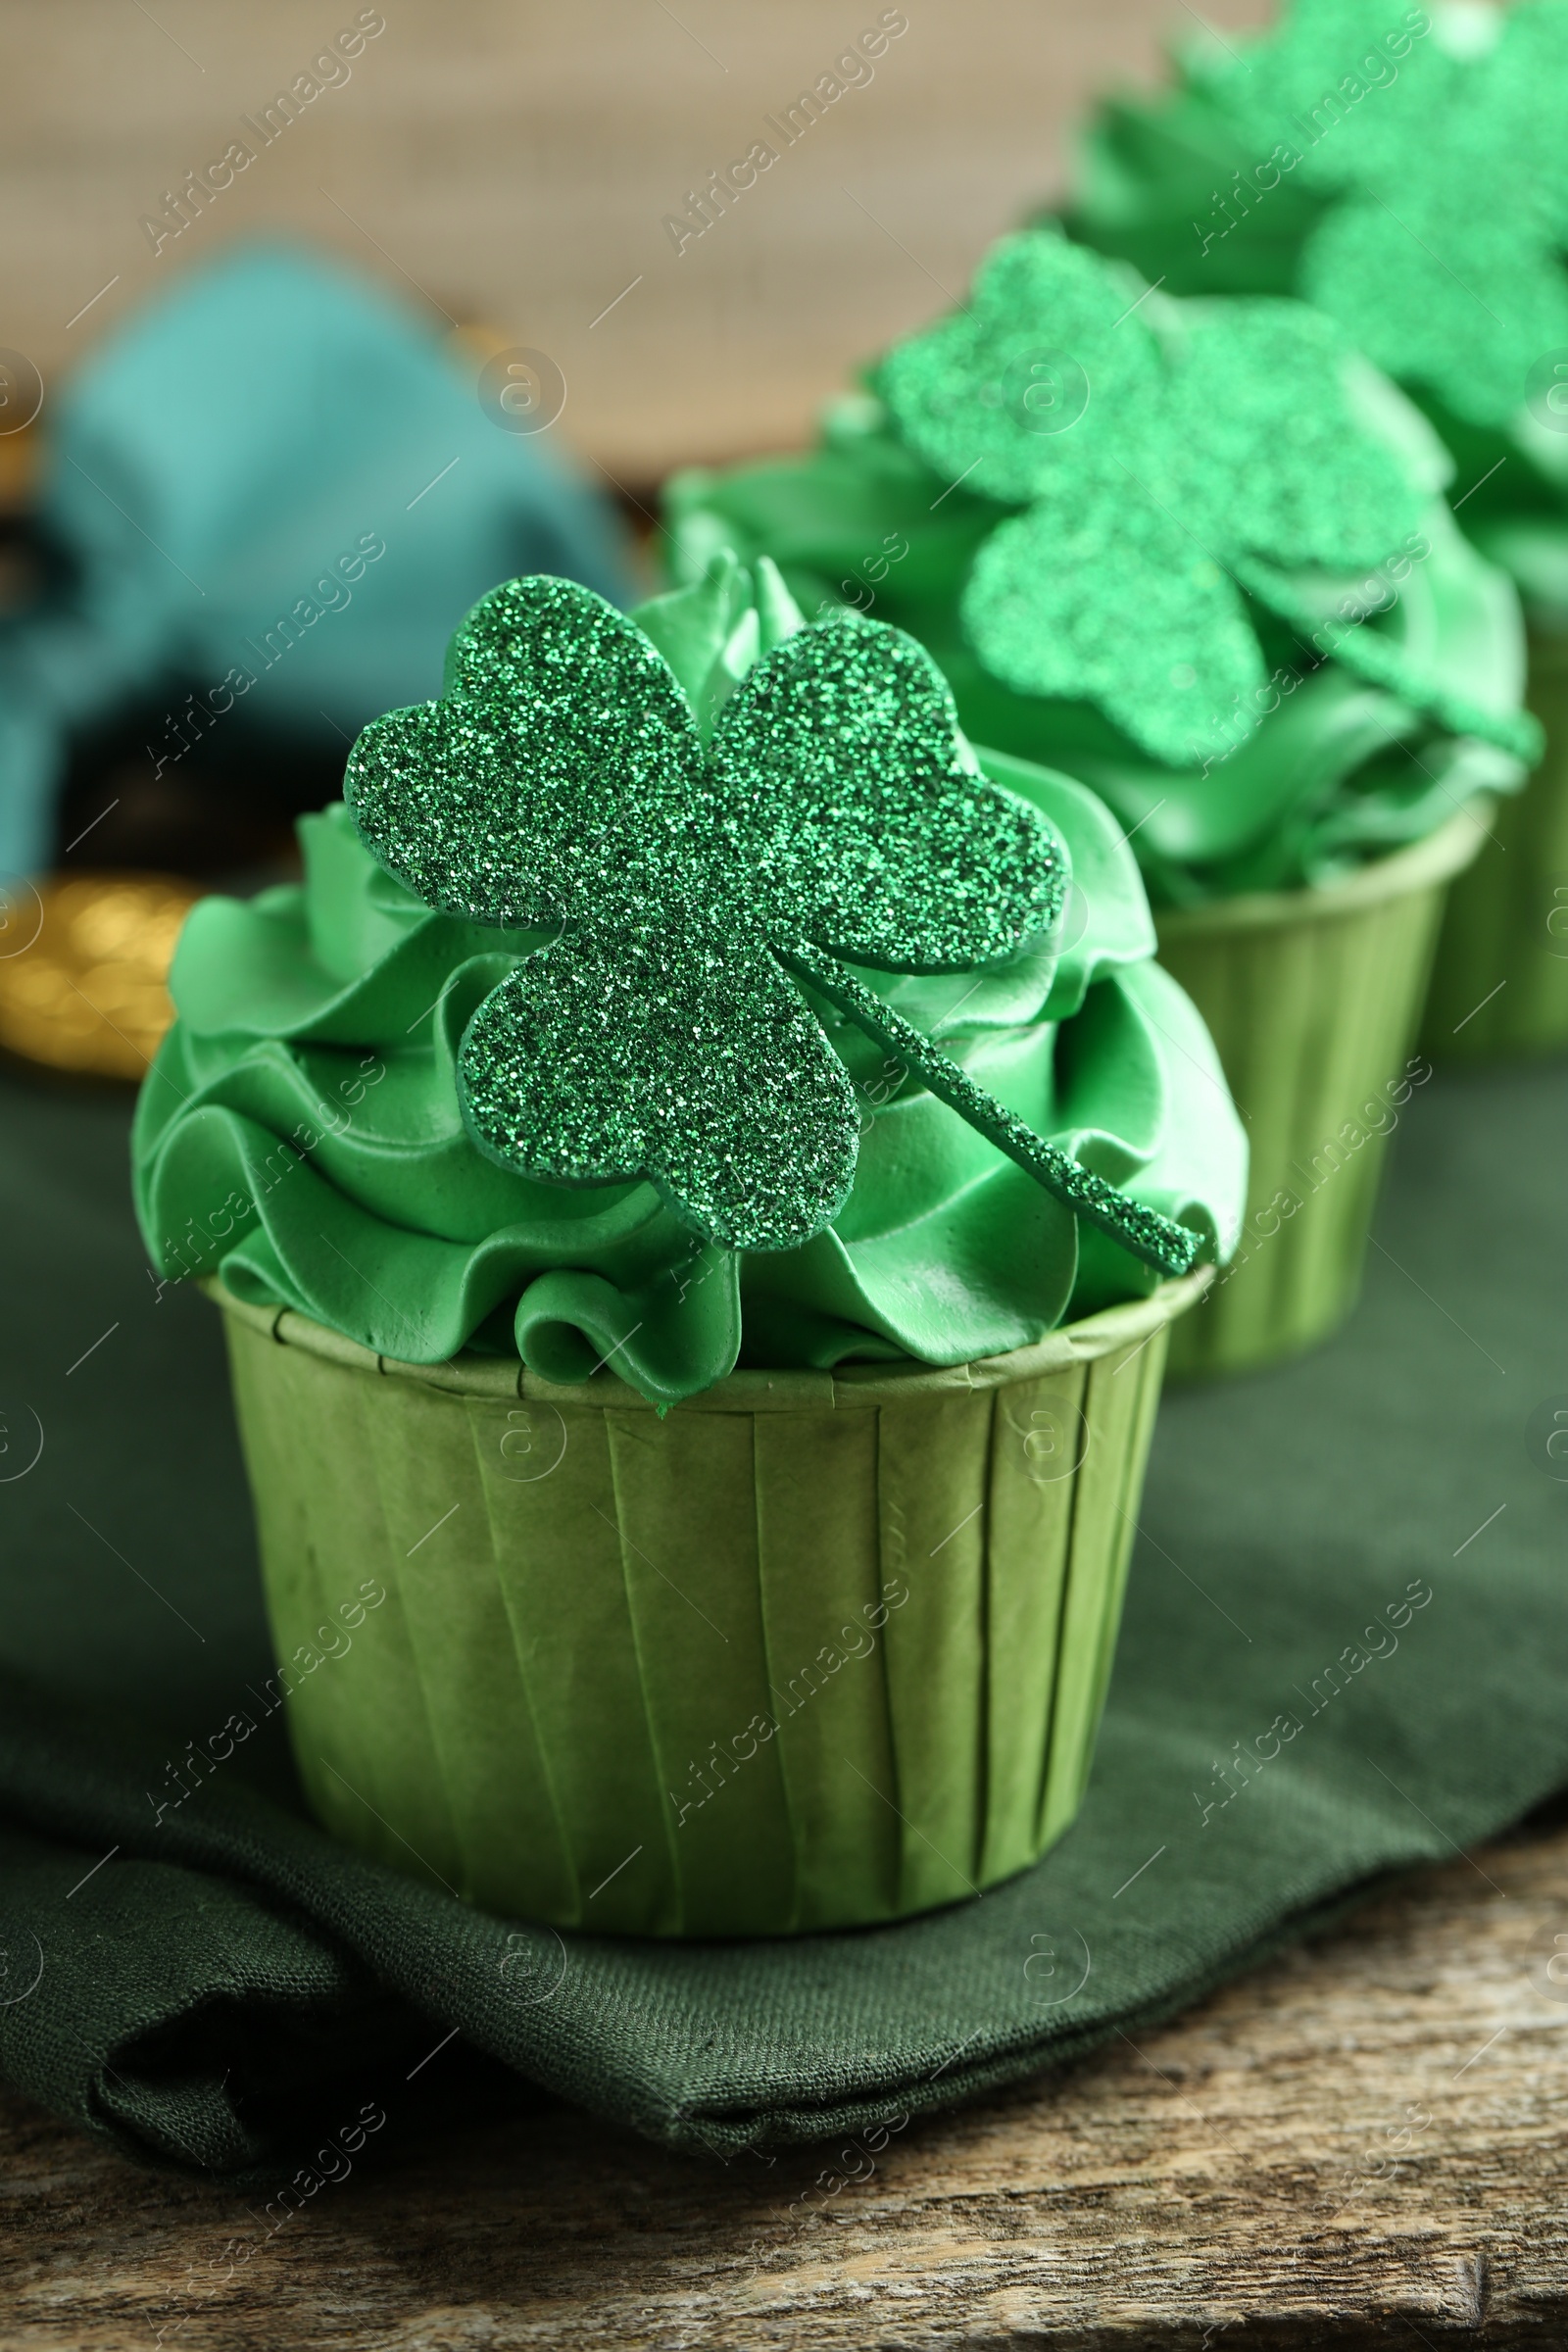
(299, 1134)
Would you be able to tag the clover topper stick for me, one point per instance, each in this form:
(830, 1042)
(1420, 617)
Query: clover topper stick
(562, 781)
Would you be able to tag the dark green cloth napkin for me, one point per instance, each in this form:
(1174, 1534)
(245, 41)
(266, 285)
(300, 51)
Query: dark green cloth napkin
(1367, 1545)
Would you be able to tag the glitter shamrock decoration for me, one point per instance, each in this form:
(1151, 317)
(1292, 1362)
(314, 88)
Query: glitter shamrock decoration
(1305, 82)
(1438, 146)
(696, 859)
(1172, 460)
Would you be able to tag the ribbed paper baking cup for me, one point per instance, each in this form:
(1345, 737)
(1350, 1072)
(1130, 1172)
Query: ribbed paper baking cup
(1499, 981)
(813, 1649)
(1312, 999)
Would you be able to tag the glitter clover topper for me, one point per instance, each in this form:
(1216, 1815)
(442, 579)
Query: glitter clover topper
(1444, 180)
(1168, 470)
(695, 861)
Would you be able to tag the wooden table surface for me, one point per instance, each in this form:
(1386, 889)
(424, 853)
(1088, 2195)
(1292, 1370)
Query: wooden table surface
(1360, 2144)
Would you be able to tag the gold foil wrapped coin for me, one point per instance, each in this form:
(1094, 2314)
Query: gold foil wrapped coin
(84, 967)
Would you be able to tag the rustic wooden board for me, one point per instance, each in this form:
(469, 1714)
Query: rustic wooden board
(1361, 2144)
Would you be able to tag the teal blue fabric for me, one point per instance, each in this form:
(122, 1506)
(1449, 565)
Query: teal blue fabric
(233, 450)
(1368, 1542)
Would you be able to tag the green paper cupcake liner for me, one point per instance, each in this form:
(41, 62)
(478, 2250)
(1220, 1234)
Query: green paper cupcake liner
(1499, 984)
(811, 1651)
(1312, 999)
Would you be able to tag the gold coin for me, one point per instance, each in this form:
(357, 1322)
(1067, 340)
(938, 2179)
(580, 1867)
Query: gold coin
(84, 968)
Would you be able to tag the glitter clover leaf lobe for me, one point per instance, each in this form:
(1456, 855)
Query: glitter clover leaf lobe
(837, 764)
(1524, 80)
(1118, 606)
(959, 391)
(1443, 253)
(680, 1053)
(561, 752)
(1279, 462)
(1321, 85)
(1442, 296)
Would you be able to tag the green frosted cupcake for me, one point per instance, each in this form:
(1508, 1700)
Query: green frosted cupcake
(1195, 553)
(698, 1178)
(1405, 170)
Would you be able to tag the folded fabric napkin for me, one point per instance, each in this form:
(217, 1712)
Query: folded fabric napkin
(1344, 1654)
(270, 498)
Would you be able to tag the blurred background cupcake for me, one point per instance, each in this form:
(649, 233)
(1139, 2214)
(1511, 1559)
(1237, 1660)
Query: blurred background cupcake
(1404, 169)
(1195, 553)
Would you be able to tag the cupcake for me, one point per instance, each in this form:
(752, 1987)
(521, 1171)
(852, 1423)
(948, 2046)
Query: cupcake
(698, 1178)
(1403, 170)
(1197, 555)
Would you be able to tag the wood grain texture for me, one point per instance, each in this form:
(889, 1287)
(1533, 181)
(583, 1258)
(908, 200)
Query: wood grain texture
(1360, 2144)
(514, 161)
